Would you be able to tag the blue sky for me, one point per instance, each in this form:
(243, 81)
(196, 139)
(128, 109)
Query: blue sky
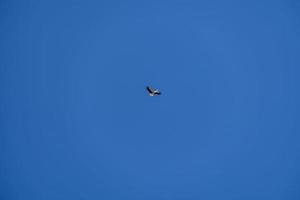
(76, 122)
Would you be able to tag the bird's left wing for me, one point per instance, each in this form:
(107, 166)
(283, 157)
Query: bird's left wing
(157, 92)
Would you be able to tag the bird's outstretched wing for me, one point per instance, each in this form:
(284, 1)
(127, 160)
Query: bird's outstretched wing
(149, 89)
(157, 92)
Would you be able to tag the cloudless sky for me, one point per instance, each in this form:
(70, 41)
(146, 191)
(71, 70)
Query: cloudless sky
(77, 123)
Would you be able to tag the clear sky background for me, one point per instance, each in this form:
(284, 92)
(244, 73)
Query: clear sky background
(77, 123)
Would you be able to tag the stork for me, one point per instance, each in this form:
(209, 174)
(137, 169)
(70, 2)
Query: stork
(153, 92)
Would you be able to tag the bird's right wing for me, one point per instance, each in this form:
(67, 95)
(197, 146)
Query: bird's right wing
(149, 89)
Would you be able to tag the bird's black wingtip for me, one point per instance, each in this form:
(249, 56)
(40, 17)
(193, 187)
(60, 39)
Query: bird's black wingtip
(148, 89)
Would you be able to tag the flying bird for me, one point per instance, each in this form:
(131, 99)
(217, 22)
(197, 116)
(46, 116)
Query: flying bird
(153, 92)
